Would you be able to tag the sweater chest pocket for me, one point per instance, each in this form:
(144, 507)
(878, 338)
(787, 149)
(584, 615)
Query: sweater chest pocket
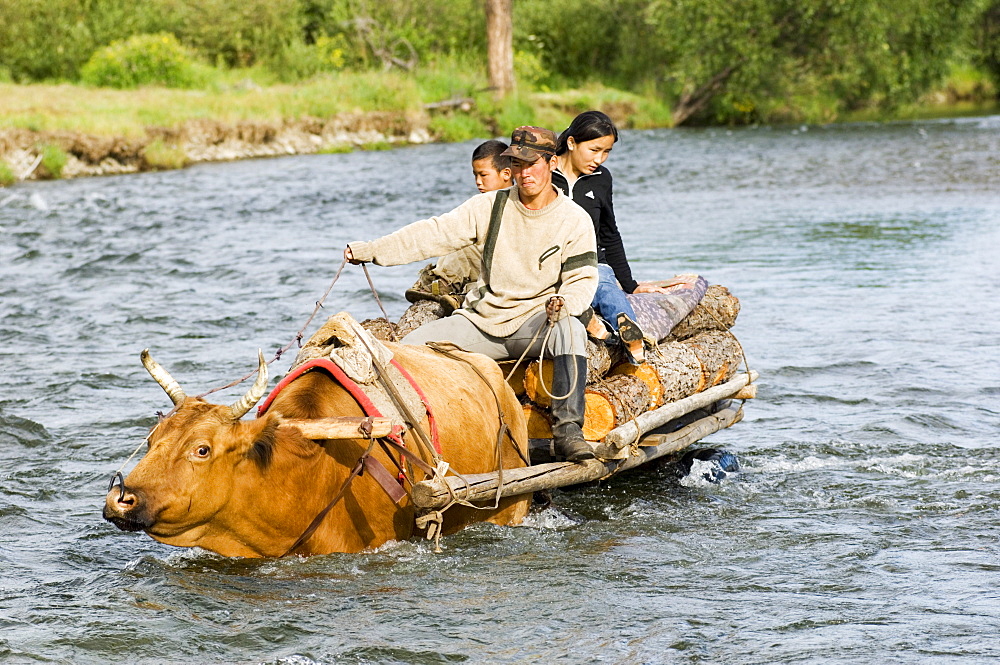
(551, 251)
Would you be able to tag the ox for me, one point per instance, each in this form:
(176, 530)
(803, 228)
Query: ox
(252, 488)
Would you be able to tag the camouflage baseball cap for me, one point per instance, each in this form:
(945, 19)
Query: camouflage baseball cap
(529, 144)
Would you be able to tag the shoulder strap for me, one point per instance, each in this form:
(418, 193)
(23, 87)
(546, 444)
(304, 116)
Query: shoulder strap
(494, 230)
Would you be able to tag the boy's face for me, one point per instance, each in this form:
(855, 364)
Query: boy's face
(488, 179)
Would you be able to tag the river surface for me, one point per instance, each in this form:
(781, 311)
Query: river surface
(864, 527)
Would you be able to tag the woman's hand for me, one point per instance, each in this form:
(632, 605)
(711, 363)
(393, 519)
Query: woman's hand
(349, 256)
(658, 287)
(649, 288)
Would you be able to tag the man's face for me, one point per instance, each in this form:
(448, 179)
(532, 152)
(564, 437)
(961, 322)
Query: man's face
(488, 179)
(533, 177)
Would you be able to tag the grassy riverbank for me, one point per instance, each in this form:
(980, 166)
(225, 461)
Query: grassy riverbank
(102, 130)
(67, 130)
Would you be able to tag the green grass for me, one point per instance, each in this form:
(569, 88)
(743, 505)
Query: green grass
(161, 156)
(54, 160)
(107, 112)
(7, 175)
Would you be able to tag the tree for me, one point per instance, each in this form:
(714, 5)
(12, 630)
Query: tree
(500, 46)
(727, 65)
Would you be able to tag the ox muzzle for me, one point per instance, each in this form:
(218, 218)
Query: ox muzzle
(124, 507)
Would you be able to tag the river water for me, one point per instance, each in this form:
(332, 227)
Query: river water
(863, 528)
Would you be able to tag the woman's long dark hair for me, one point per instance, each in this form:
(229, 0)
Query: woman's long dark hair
(587, 126)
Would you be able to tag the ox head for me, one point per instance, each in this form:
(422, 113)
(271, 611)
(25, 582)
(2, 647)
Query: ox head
(194, 457)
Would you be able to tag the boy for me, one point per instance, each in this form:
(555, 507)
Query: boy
(490, 167)
(446, 282)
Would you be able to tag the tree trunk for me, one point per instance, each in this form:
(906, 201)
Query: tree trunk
(716, 311)
(612, 402)
(720, 354)
(418, 314)
(694, 101)
(648, 375)
(382, 329)
(500, 46)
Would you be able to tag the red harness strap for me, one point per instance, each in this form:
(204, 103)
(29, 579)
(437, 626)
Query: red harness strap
(356, 392)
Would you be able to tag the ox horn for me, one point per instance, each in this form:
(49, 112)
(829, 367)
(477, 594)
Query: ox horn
(257, 390)
(162, 376)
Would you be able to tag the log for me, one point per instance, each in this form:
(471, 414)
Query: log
(339, 428)
(533, 378)
(382, 329)
(679, 369)
(626, 397)
(648, 375)
(717, 310)
(720, 355)
(539, 422)
(434, 494)
(516, 380)
(619, 439)
(417, 315)
(598, 418)
(600, 359)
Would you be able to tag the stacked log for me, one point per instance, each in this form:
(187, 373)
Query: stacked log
(698, 354)
(516, 380)
(539, 421)
(418, 314)
(613, 401)
(717, 310)
(382, 329)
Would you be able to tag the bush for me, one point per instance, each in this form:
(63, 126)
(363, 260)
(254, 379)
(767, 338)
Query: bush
(7, 176)
(299, 61)
(145, 60)
(52, 39)
(160, 156)
(54, 160)
(233, 33)
(453, 128)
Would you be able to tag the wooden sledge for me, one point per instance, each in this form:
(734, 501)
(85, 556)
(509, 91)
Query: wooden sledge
(688, 389)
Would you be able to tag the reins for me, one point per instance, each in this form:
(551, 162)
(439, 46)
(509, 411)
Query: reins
(298, 336)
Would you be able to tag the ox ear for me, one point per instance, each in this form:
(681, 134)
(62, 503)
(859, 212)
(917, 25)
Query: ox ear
(162, 377)
(239, 409)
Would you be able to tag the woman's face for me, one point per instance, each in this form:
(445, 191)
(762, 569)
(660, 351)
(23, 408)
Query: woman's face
(588, 155)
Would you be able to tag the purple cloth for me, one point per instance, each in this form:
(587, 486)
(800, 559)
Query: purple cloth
(658, 313)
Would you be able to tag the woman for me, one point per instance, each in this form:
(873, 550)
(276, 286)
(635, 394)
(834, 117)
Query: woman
(580, 175)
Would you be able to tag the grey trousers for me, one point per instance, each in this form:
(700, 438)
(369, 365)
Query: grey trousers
(568, 337)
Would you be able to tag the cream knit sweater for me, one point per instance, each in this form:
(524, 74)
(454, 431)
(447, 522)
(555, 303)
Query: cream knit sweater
(535, 255)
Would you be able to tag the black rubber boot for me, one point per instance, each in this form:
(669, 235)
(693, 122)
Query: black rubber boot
(567, 414)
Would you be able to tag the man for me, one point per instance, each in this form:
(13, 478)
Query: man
(447, 281)
(539, 262)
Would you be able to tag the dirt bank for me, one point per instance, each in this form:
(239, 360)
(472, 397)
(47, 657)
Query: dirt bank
(206, 141)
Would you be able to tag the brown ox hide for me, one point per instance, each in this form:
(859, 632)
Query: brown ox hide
(252, 487)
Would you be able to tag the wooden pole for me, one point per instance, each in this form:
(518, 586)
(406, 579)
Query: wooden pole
(346, 427)
(434, 494)
(619, 438)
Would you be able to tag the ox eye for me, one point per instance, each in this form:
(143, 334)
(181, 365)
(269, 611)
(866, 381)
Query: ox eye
(202, 451)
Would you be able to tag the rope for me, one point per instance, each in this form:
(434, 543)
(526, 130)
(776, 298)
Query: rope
(541, 358)
(298, 336)
(371, 285)
(746, 363)
(136, 451)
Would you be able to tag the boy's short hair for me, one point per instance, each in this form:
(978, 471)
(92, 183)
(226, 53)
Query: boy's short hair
(493, 150)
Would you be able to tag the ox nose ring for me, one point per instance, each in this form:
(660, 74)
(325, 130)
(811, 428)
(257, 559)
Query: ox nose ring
(120, 480)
